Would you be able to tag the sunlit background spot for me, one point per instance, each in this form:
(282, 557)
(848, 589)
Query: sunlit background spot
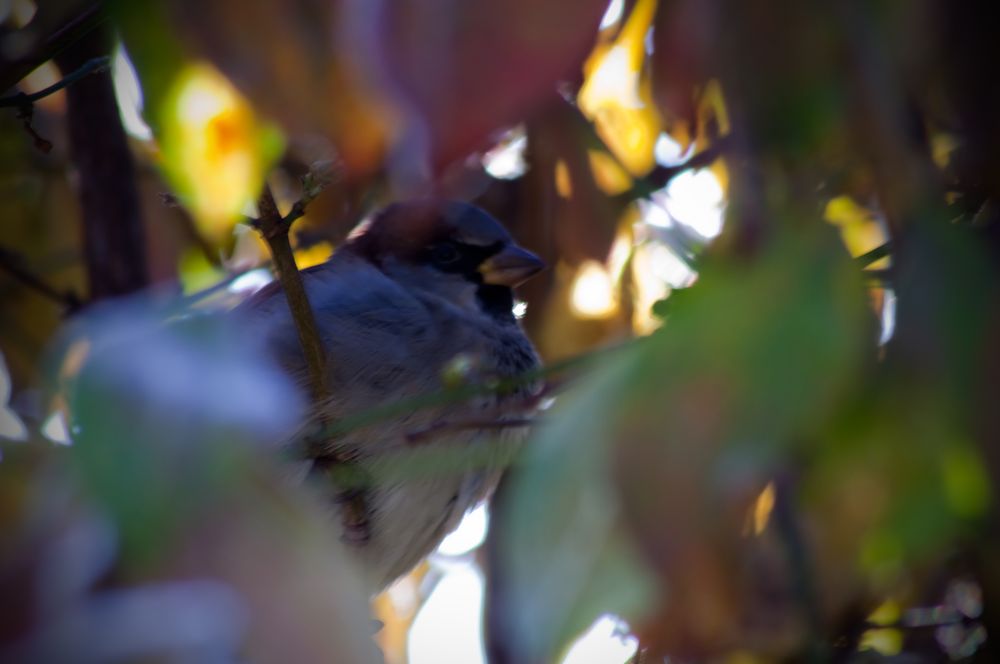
(11, 425)
(506, 160)
(696, 200)
(606, 642)
(613, 15)
(448, 627)
(470, 533)
(593, 294)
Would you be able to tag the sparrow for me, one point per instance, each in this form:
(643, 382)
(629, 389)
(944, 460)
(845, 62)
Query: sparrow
(419, 288)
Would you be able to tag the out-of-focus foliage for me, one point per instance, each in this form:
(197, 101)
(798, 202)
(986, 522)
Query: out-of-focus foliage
(215, 151)
(693, 412)
(616, 93)
(171, 505)
(400, 85)
(784, 214)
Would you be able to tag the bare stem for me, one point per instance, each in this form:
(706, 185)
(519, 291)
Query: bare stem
(274, 228)
(93, 66)
(661, 176)
(420, 435)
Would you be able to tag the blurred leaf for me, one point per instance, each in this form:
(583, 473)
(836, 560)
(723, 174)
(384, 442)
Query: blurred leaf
(424, 83)
(561, 545)
(216, 152)
(189, 406)
(966, 483)
(684, 36)
(754, 359)
(859, 228)
(886, 642)
(585, 217)
(616, 93)
(304, 596)
(195, 273)
(157, 54)
(176, 435)
(313, 255)
(608, 173)
(473, 67)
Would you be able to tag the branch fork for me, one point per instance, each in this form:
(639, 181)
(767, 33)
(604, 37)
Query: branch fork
(274, 228)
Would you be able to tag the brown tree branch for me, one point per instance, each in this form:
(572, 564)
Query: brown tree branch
(274, 228)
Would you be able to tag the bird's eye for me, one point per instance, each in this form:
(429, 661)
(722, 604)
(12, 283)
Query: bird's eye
(444, 254)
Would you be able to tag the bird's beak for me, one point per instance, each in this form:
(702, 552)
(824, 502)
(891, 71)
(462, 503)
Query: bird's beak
(510, 267)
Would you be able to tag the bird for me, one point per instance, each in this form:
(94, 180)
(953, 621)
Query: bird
(417, 291)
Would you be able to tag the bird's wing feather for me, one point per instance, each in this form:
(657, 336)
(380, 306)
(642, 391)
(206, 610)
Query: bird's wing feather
(383, 342)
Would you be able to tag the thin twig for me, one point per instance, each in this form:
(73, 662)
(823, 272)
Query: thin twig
(661, 176)
(25, 103)
(53, 37)
(13, 264)
(453, 395)
(876, 254)
(419, 435)
(274, 228)
(92, 66)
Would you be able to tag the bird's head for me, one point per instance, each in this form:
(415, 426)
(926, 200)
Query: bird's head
(448, 248)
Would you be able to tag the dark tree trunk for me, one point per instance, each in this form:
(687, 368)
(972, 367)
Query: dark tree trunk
(113, 233)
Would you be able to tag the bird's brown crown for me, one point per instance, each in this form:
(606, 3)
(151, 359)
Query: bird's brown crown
(406, 230)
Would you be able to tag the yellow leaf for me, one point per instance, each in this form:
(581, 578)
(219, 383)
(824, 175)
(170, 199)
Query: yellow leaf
(216, 151)
(564, 183)
(196, 273)
(617, 96)
(942, 145)
(859, 229)
(314, 255)
(608, 173)
(888, 642)
(887, 613)
(711, 110)
(762, 509)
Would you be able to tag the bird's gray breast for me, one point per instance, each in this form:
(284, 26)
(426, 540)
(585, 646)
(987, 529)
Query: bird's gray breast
(386, 345)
